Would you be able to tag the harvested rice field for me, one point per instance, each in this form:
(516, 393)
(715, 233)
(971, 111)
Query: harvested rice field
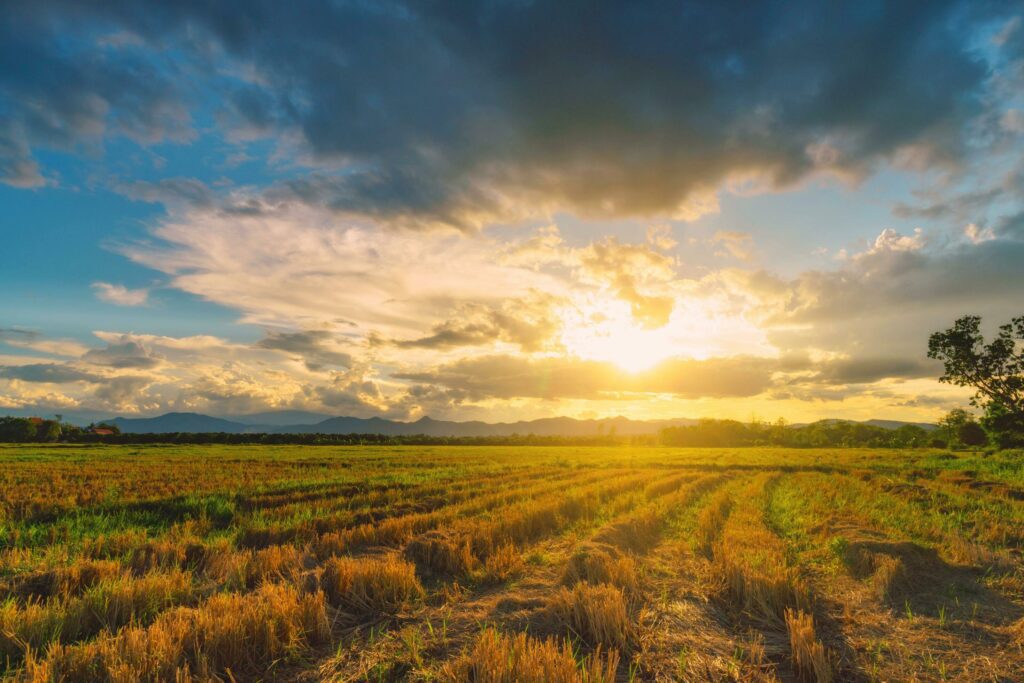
(562, 564)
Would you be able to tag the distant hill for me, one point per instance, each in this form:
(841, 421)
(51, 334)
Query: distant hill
(280, 418)
(884, 424)
(297, 422)
(302, 422)
(178, 422)
(555, 426)
(896, 424)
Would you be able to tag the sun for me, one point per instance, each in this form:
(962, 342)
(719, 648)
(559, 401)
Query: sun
(606, 331)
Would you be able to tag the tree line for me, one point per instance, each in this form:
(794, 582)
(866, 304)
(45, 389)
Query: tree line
(822, 434)
(708, 432)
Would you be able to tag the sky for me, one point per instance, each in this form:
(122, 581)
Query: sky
(503, 210)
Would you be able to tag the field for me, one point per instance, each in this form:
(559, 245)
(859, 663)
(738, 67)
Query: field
(509, 564)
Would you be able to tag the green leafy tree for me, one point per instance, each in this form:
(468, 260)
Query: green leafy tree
(909, 436)
(1005, 428)
(49, 430)
(17, 429)
(971, 433)
(951, 423)
(995, 371)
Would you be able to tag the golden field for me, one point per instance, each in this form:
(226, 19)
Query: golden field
(465, 563)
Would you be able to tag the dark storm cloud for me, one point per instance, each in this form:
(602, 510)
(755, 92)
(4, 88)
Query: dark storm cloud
(61, 89)
(455, 112)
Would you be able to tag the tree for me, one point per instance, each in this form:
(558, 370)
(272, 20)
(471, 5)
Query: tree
(994, 370)
(1005, 429)
(49, 430)
(17, 429)
(972, 434)
(952, 422)
(909, 436)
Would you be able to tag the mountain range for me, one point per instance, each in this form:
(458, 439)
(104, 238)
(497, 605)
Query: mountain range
(301, 422)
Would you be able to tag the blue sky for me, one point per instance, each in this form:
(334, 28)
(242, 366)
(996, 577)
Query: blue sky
(503, 211)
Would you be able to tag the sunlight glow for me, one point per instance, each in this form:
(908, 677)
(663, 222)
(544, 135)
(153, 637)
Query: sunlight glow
(606, 331)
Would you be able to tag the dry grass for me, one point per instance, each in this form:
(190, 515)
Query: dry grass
(379, 563)
(443, 552)
(370, 587)
(752, 562)
(107, 605)
(638, 532)
(811, 661)
(458, 551)
(154, 555)
(503, 564)
(498, 658)
(65, 582)
(230, 634)
(594, 563)
(596, 614)
(710, 521)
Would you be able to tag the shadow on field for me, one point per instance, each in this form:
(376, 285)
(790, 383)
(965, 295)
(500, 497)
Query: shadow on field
(913, 580)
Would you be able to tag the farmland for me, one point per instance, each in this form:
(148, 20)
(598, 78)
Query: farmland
(562, 564)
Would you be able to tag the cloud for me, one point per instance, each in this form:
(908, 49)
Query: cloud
(638, 274)
(61, 91)
(419, 115)
(870, 370)
(531, 323)
(632, 271)
(17, 167)
(31, 339)
(127, 353)
(739, 245)
(294, 266)
(958, 206)
(314, 347)
(52, 373)
(352, 394)
(120, 295)
(889, 240)
(976, 235)
(884, 301)
(169, 191)
(120, 393)
(506, 377)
